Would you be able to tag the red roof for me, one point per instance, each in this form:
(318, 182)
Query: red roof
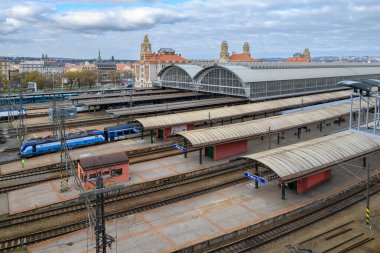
(167, 58)
(298, 59)
(241, 57)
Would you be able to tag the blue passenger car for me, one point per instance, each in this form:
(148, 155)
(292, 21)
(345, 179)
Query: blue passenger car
(116, 133)
(73, 140)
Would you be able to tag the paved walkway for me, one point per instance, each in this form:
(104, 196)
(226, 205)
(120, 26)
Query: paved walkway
(188, 222)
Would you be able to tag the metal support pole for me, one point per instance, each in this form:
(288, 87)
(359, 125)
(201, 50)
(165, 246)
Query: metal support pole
(200, 156)
(367, 112)
(257, 174)
(367, 220)
(231, 120)
(222, 122)
(298, 132)
(375, 119)
(282, 191)
(151, 137)
(185, 154)
(320, 126)
(142, 134)
(269, 137)
(359, 112)
(278, 138)
(364, 162)
(242, 118)
(339, 121)
(351, 112)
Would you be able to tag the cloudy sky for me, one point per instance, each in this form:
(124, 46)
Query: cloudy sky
(194, 28)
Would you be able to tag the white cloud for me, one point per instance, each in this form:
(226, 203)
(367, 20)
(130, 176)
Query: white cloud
(195, 28)
(117, 19)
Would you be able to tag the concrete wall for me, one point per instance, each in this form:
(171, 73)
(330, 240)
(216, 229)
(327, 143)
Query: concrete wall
(230, 149)
(305, 184)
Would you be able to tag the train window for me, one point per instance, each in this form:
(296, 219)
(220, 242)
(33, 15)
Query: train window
(84, 178)
(117, 172)
(106, 172)
(92, 176)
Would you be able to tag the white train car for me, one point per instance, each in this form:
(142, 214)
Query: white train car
(15, 113)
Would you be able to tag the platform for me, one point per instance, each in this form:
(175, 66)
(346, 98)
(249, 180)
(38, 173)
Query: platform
(150, 170)
(192, 221)
(45, 119)
(49, 193)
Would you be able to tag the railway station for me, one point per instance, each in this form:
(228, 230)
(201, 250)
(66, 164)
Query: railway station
(258, 81)
(209, 154)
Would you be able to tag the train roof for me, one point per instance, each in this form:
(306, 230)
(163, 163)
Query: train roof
(113, 128)
(101, 161)
(68, 136)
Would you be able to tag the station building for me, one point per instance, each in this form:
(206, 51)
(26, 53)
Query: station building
(114, 168)
(261, 81)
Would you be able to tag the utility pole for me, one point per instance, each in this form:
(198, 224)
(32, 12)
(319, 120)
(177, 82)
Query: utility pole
(65, 157)
(55, 118)
(367, 220)
(21, 129)
(102, 238)
(10, 109)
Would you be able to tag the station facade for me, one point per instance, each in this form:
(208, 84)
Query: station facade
(260, 81)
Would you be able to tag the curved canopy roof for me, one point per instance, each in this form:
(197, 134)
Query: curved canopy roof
(238, 110)
(305, 158)
(248, 75)
(251, 129)
(190, 69)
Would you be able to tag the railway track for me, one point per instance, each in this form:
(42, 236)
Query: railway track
(37, 215)
(72, 123)
(134, 158)
(274, 231)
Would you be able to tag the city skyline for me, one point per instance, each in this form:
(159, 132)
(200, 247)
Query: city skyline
(194, 28)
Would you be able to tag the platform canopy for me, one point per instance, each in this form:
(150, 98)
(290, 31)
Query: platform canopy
(238, 110)
(254, 128)
(110, 101)
(313, 156)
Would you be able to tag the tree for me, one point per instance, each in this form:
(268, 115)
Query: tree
(87, 78)
(72, 77)
(4, 80)
(113, 76)
(35, 77)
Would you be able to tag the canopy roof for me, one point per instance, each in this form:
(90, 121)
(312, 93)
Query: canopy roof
(309, 157)
(238, 110)
(250, 129)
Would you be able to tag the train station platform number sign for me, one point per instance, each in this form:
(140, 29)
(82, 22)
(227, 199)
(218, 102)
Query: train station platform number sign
(254, 177)
(183, 149)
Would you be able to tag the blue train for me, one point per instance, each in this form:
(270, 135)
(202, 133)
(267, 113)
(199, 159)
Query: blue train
(40, 146)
